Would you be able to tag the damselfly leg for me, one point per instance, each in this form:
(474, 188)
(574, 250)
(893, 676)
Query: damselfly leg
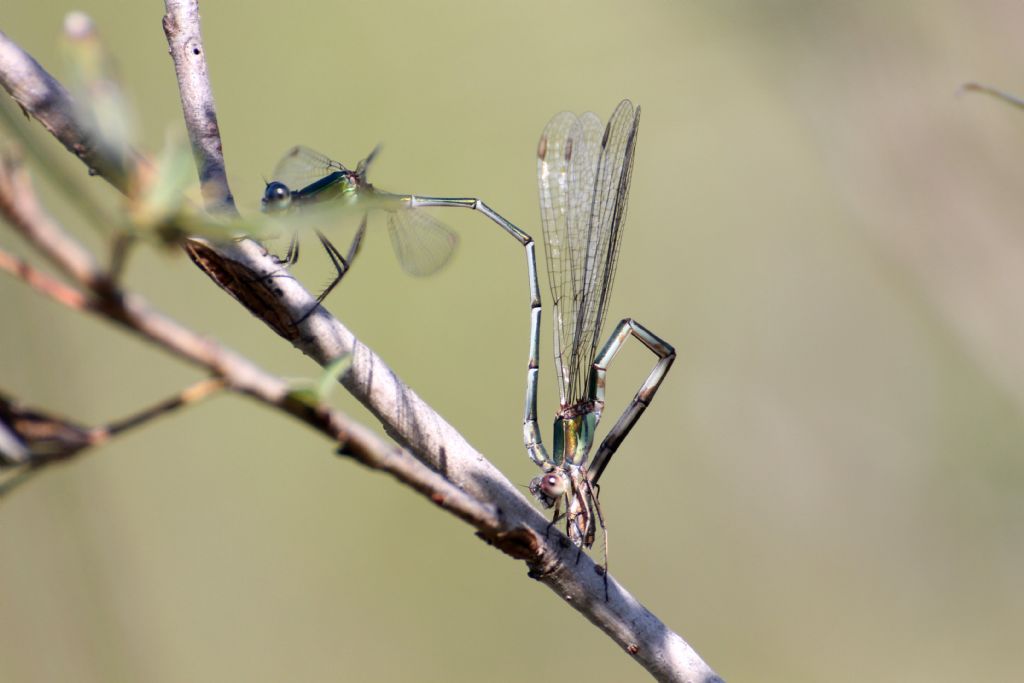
(341, 263)
(666, 356)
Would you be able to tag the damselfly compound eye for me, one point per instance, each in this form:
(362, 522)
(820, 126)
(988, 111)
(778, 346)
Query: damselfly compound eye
(276, 197)
(552, 485)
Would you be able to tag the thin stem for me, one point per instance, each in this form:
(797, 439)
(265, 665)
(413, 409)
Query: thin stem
(43, 283)
(20, 204)
(181, 26)
(188, 396)
(47, 439)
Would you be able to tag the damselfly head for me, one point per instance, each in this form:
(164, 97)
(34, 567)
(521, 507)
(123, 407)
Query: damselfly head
(277, 197)
(549, 487)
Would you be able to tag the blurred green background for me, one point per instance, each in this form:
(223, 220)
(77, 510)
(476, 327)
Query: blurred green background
(829, 484)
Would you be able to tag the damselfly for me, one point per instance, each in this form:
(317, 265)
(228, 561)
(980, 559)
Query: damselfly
(305, 178)
(583, 173)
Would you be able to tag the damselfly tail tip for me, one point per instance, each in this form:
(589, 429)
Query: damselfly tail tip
(969, 86)
(972, 86)
(364, 165)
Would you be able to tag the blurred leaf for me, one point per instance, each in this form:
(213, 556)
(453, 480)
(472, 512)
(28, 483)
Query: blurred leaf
(174, 174)
(103, 108)
(161, 206)
(265, 226)
(54, 166)
(331, 374)
(315, 393)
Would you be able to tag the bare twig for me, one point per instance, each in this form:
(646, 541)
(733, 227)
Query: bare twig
(192, 394)
(47, 438)
(181, 26)
(19, 203)
(43, 283)
(245, 270)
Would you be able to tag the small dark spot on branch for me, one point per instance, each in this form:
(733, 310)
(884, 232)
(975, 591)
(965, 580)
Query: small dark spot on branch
(520, 543)
(442, 462)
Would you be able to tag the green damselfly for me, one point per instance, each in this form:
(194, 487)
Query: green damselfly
(584, 172)
(305, 178)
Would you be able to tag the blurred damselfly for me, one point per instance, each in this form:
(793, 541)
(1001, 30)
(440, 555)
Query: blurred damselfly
(305, 178)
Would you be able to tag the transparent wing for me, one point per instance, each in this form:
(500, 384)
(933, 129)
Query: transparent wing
(422, 243)
(302, 166)
(554, 154)
(583, 172)
(579, 326)
(607, 220)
